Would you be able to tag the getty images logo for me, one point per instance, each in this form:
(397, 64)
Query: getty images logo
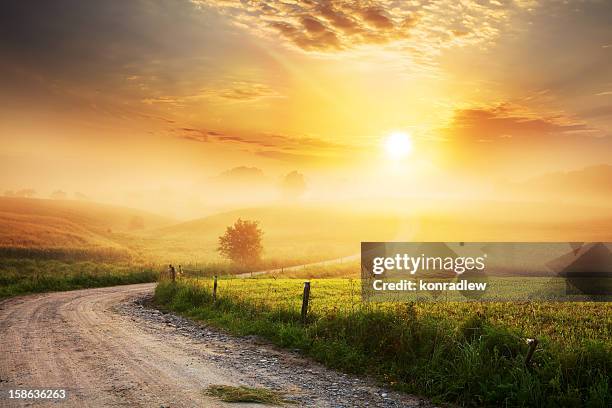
(414, 264)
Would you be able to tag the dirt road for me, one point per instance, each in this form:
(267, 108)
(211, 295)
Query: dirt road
(107, 349)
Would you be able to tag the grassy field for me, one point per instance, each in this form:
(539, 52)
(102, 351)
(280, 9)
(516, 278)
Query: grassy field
(467, 353)
(72, 230)
(348, 269)
(294, 234)
(472, 354)
(22, 276)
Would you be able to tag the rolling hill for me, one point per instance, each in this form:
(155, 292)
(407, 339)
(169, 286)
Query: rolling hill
(298, 233)
(67, 228)
(588, 184)
(75, 229)
(292, 234)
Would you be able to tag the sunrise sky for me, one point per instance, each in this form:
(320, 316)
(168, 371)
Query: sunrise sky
(128, 100)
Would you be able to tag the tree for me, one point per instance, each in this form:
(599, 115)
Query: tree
(26, 193)
(58, 195)
(241, 243)
(293, 185)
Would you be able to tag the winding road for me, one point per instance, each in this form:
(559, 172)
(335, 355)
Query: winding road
(106, 349)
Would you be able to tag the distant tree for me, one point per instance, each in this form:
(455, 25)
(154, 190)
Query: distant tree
(241, 175)
(25, 192)
(58, 195)
(241, 243)
(293, 185)
(80, 196)
(9, 193)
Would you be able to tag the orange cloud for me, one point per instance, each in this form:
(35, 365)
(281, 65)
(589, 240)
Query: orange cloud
(276, 146)
(513, 138)
(265, 140)
(342, 25)
(234, 91)
(504, 121)
(376, 18)
(243, 91)
(311, 35)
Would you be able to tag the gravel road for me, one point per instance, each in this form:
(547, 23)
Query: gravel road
(106, 347)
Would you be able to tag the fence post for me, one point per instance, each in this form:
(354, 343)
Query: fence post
(532, 343)
(305, 298)
(215, 289)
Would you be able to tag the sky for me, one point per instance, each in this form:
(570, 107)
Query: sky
(137, 101)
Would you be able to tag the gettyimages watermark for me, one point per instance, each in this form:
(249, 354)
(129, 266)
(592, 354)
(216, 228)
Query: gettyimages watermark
(485, 271)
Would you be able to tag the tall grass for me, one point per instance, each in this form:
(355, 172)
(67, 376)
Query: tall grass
(472, 359)
(67, 254)
(348, 269)
(21, 276)
(226, 268)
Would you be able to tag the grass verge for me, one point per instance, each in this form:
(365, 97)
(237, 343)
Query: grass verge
(469, 360)
(23, 276)
(229, 393)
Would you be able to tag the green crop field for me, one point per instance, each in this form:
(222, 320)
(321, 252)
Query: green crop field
(472, 354)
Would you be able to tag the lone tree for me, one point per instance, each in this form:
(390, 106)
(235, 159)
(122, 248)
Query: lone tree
(241, 242)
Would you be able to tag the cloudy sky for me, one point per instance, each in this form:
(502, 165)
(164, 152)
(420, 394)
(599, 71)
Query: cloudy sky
(170, 93)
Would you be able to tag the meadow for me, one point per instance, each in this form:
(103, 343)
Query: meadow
(471, 354)
(22, 276)
(72, 230)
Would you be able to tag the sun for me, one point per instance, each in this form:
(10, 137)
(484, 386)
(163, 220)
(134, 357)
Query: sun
(398, 145)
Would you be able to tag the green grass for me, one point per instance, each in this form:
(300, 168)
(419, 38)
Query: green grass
(115, 255)
(472, 354)
(227, 268)
(347, 269)
(228, 393)
(22, 276)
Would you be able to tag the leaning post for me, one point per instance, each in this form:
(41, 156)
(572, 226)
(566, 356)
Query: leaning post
(305, 299)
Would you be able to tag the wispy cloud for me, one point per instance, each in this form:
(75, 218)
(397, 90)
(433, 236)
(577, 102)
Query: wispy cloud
(238, 91)
(235, 91)
(163, 100)
(506, 121)
(271, 145)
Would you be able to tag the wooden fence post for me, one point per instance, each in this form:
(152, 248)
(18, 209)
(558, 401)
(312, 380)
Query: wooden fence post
(305, 298)
(533, 343)
(215, 289)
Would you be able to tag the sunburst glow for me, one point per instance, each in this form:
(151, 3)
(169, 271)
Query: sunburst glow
(398, 145)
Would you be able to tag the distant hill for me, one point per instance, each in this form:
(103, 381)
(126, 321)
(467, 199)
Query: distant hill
(94, 216)
(594, 182)
(53, 227)
(297, 232)
(292, 233)
(310, 233)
